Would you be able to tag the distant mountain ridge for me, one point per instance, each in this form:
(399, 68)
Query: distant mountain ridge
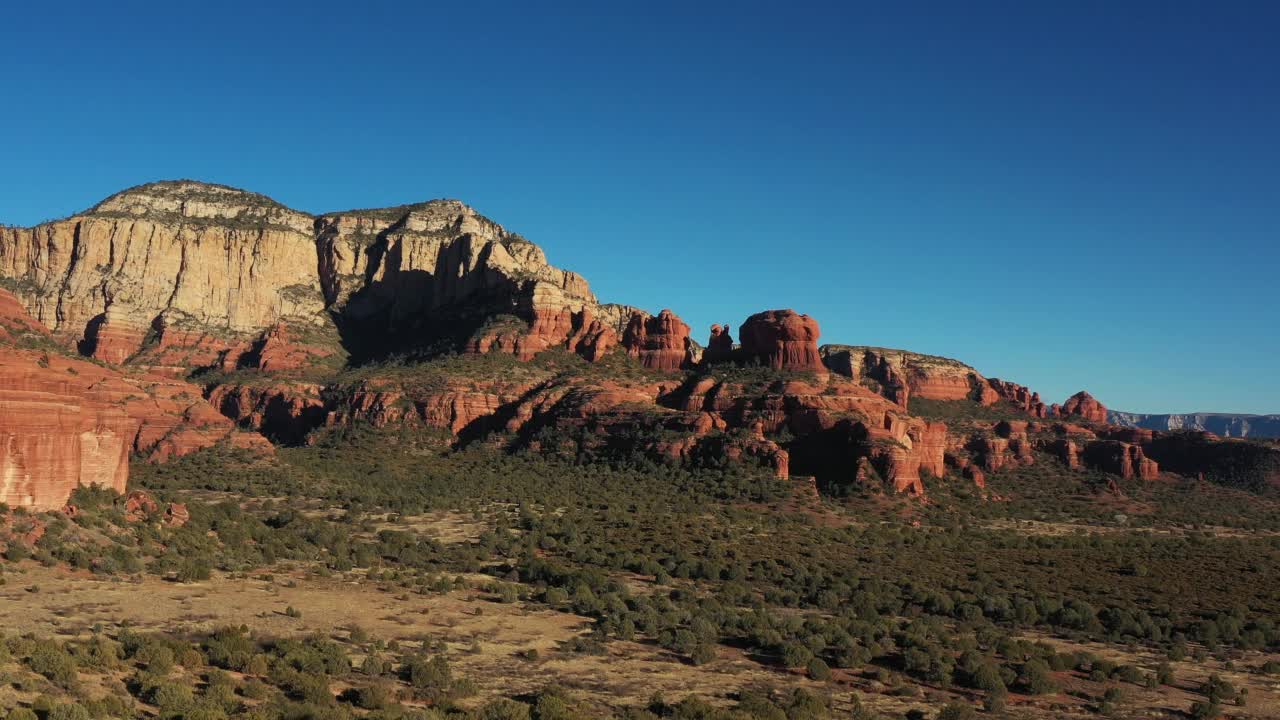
(1224, 424)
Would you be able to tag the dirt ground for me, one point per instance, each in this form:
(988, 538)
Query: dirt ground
(488, 641)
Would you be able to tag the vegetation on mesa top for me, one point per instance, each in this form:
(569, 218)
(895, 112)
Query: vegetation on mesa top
(396, 212)
(253, 203)
(833, 348)
(964, 410)
(196, 190)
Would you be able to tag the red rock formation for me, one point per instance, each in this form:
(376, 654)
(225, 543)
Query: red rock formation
(720, 346)
(967, 468)
(1135, 436)
(282, 411)
(56, 431)
(922, 448)
(992, 453)
(113, 336)
(66, 422)
(1067, 451)
(138, 506)
(177, 515)
(1119, 458)
(578, 331)
(659, 342)
(1019, 395)
(14, 319)
(782, 339)
(281, 348)
(1016, 432)
(893, 386)
(901, 373)
(453, 407)
(838, 424)
(1083, 405)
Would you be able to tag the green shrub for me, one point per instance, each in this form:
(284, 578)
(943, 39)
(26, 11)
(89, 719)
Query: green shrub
(956, 711)
(818, 670)
(503, 709)
(69, 711)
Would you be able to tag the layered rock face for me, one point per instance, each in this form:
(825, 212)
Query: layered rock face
(1019, 395)
(211, 256)
(659, 342)
(916, 374)
(412, 259)
(1120, 458)
(839, 428)
(283, 412)
(440, 265)
(217, 270)
(66, 422)
(55, 434)
(578, 331)
(1083, 405)
(782, 339)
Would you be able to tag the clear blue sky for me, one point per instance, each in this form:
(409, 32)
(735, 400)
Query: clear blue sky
(1070, 195)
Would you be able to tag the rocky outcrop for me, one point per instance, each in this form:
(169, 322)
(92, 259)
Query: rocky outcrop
(284, 412)
(659, 342)
(1019, 395)
(1003, 445)
(719, 346)
(1083, 405)
(905, 373)
(281, 348)
(407, 261)
(66, 422)
(888, 380)
(782, 340)
(1120, 458)
(577, 331)
(843, 433)
(1067, 451)
(967, 468)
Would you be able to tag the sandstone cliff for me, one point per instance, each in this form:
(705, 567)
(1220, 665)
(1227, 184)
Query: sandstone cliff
(65, 421)
(223, 260)
(196, 266)
(901, 373)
